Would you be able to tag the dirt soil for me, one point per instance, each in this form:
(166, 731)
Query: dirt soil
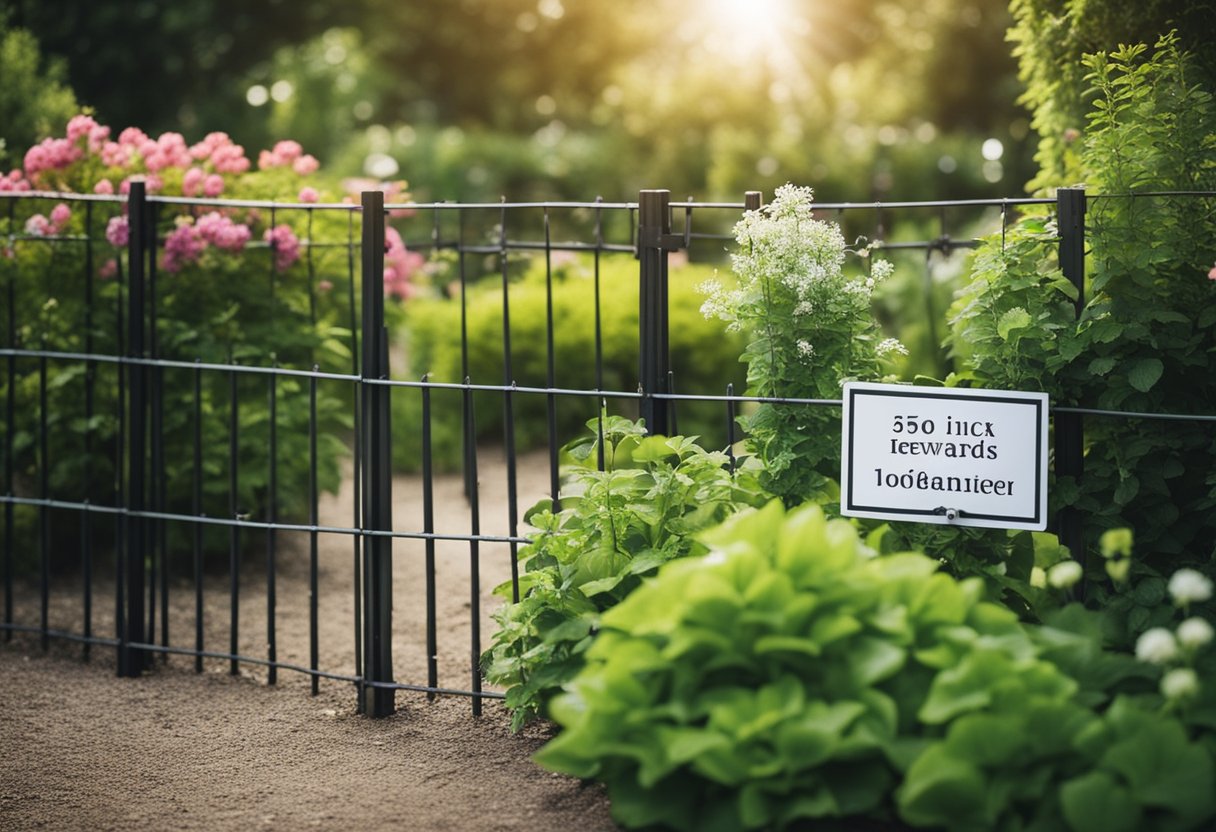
(82, 749)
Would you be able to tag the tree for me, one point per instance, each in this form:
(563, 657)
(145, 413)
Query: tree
(34, 97)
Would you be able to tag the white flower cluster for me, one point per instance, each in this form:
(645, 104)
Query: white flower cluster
(1187, 587)
(1162, 647)
(887, 346)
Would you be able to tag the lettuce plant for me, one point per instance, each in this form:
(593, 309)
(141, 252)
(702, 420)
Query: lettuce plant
(791, 676)
(614, 527)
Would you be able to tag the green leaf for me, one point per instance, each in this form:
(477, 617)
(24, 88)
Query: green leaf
(873, 659)
(941, 789)
(1095, 802)
(1143, 373)
(1016, 318)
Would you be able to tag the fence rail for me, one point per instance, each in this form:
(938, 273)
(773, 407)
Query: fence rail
(142, 368)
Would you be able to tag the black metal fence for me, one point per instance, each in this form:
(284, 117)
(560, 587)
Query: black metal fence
(164, 558)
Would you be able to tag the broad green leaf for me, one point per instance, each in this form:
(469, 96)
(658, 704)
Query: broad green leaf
(1143, 373)
(873, 659)
(941, 789)
(988, 739)
(1103, 365)
(1016, 318)
(1095, 802)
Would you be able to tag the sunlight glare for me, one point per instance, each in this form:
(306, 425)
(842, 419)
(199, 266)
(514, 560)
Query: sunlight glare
(751, 26)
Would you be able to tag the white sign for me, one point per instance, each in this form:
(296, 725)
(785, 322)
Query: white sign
(944, 455)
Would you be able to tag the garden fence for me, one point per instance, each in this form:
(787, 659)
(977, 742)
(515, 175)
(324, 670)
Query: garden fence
(160, 551)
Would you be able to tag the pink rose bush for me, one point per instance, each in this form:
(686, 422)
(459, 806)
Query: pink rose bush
(89, 158)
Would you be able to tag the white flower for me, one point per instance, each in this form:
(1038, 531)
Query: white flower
(1064, 574)
(805, 348)
(1180, 683)
(891, 345)
(1188, 586)
(1156, 646)
(882, 269)
(1195, 633)
(1038, 578)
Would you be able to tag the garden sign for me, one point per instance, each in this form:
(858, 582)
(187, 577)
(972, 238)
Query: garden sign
(944, 455)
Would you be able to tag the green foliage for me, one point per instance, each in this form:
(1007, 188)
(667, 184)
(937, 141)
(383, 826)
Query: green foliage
(1053, 36)
(68, 291)
(702, 360)
(1142, 342)
(612, 528)
(34, 97)
(810, 327)
(791, 676)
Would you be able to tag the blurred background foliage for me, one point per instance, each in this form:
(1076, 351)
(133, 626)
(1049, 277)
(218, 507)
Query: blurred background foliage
(471, 99)
(550, 99)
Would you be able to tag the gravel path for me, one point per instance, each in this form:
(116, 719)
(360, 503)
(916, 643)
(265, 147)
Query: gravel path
(83, 749)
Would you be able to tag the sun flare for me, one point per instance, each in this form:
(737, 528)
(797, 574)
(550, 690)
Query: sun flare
(751, 26)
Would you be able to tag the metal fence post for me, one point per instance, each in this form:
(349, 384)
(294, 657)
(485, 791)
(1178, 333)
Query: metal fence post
(1069, 427)
(376, 469)
(654, 225)
(132, 660)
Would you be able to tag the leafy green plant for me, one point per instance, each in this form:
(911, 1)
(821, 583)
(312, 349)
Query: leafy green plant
(792, 676)
(810, 327)
(1142, 341)
(611, 529)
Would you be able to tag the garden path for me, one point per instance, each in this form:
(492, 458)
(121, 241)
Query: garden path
(83, 749)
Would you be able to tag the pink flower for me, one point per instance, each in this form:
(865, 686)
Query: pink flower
(288, 150)
(285, 244)
(103, 186)
(325, 285)
(229, 158)
(61, 214)
(182, 246)
(50, 154)
(13, 182)
(208, 145)
(192, 180)
(1212, 273)
(132, 136)
(108, 269)
(97, 137)
(287, 153)
(171, 147)
(221, 232)
(213, 185)
(399, 265)
(80, 126)
(118, 231)
(38, 225)
(305, 165)
(115, 155)
(308, 195)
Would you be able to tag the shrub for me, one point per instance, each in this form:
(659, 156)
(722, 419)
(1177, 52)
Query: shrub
(703, 361)
(791, 675)
(612, 528)
(1142, 340)
(239, 285)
